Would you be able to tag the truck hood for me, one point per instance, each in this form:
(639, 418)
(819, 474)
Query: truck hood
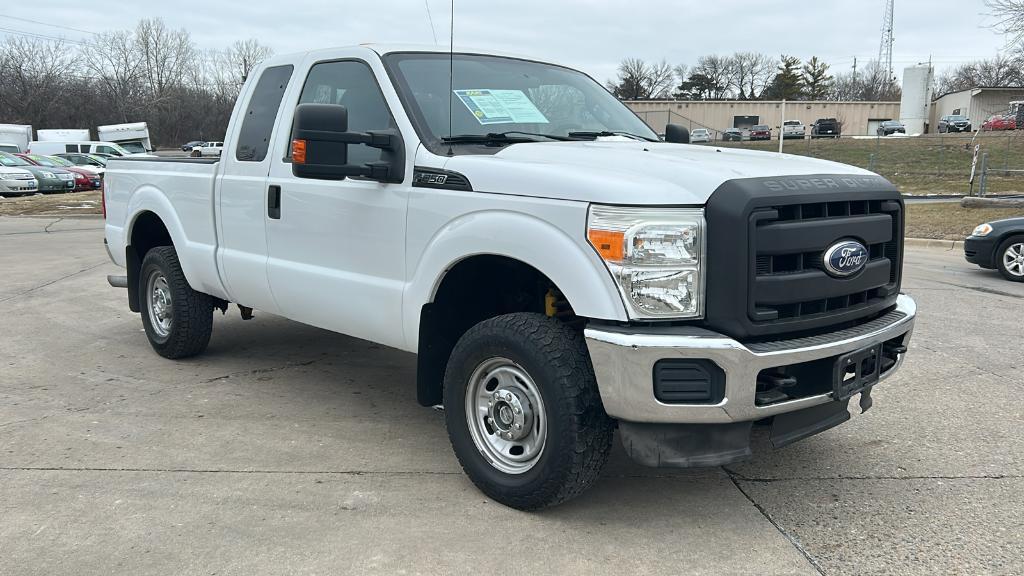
(626, 172)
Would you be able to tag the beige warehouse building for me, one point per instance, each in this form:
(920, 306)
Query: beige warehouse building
(857, 117)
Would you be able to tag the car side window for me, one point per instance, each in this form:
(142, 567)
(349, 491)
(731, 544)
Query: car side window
(254, 137)
(353, 85)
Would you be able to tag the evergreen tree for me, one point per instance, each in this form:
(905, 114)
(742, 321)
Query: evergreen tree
(816, 79)
(787, 84)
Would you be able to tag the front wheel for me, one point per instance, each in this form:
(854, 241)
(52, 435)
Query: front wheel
(178, 320)
(523, 412)
(1010, 258)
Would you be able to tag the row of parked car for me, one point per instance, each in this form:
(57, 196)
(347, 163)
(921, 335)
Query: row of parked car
(791, 129)
(26, 173)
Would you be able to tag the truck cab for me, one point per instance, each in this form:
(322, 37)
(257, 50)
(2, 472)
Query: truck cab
(560, 271)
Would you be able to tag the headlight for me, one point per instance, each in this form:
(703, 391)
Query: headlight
(49, 175)
(982, 230)
(655, 256)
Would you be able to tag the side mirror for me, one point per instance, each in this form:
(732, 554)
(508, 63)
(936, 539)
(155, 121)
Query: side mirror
(320, 140)
(677, 134)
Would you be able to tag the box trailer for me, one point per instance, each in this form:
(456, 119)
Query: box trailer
(133, 136)
(61, 135)
(15, 137)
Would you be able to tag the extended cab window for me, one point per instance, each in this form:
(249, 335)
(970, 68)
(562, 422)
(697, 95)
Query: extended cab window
(254, 137)
(352, 85)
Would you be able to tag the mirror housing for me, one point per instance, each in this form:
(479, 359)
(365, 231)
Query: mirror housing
(320, 141)
(677, 133)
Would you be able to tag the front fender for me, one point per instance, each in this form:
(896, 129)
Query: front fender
(567, 261)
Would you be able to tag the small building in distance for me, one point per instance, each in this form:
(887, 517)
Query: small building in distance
(975, 103)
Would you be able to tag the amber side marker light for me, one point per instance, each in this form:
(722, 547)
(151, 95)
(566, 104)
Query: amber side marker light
(299, 151)
(610, 245)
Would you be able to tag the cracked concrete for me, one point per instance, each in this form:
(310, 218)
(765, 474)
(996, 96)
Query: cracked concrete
(289, 449)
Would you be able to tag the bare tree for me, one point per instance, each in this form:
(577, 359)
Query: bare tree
(245, 55)
(117, 65)
(751, 73)
(1010, 20)
(719, 75)
(871, 83)
(638, 80)
(1000, 71)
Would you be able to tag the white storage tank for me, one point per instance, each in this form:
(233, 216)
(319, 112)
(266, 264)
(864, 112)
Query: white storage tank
(917, 97)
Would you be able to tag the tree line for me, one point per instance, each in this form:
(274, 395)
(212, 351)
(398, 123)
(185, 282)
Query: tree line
(751, 76)
(756, 76)
(150, 74)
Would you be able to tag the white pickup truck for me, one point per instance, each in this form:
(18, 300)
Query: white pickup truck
(560, 272)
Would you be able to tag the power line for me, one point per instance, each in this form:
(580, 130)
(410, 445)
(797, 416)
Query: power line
(47, 24)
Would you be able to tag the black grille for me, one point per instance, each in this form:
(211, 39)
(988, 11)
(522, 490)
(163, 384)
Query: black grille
(766, 241)
(790, 241)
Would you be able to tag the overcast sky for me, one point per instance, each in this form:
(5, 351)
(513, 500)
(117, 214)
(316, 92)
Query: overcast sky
(592, 35)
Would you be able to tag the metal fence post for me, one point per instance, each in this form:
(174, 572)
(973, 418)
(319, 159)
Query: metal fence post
(984, 173)
(1006, 160)
(871, 162)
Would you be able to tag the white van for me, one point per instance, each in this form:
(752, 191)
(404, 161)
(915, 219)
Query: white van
(88, 147)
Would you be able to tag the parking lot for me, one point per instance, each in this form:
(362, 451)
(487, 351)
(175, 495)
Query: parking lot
(288, 449)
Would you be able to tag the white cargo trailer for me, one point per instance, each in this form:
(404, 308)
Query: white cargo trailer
(134, 136)
(60, 135)
(15, 136)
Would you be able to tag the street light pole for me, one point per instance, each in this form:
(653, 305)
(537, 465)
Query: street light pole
(782, 125)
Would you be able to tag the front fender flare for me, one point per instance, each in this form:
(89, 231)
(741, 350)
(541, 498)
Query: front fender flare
(568, 262)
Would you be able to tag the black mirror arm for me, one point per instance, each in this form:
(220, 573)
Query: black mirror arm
(383, 139)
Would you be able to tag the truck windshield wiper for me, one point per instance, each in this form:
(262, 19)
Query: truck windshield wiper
(510, 137)
(606, 133)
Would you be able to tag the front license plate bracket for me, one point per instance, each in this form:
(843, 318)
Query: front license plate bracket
(856, 371)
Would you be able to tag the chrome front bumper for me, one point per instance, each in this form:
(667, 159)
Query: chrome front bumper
(624, 358)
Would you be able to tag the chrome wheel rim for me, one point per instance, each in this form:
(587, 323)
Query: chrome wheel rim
(1013, 259)
(158, 298)
(506, 417)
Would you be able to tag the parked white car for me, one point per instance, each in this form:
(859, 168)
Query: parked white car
(17, 181)
(700, 135)
(560, 271)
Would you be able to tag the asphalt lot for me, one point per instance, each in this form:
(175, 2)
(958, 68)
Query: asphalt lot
(287, 449)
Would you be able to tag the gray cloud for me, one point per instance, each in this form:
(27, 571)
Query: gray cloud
(592, 35)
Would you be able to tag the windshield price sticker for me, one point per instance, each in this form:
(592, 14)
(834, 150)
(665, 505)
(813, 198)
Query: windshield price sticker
(501, 107)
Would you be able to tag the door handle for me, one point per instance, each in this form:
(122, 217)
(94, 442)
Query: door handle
(274, 202)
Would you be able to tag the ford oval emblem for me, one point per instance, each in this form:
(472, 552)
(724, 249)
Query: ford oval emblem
(845, 258)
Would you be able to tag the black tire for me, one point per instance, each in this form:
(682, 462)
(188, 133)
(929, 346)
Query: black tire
(579, 432)
(191, 312)
(1001, 251)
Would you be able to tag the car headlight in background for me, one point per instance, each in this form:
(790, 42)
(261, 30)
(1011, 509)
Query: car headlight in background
(982, 230)
(49, 175)
(655, 256)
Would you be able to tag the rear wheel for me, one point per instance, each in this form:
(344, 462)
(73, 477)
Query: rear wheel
(523, 412)
(178, 320)
(1010, 258)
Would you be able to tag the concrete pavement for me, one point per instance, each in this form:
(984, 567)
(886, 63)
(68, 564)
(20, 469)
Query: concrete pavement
(288, 449)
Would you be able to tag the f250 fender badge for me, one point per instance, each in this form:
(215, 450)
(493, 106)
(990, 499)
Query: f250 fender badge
(845, 258)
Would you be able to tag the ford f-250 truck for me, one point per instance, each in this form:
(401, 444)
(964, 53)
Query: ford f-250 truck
(559, 271)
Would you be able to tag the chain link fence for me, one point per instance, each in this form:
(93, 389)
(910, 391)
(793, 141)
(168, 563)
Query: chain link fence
(928, 164)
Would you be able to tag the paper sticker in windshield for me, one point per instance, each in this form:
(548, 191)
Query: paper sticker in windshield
(501, 107)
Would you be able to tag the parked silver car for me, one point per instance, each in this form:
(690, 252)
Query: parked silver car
(17, 181)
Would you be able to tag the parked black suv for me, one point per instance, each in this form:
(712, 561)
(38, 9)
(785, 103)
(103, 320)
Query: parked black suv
(825, 128)
(954, 123)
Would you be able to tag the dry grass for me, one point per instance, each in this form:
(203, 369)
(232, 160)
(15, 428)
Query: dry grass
(932, 164)
(52, 204)
(949, 220)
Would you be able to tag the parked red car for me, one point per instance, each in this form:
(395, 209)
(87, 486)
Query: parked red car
(1000, 122)
(85, 179)
(761, 132)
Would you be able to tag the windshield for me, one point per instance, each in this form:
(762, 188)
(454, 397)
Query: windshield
(43, 160)
(957, 118)
(760, 127)
(499, 95)
(792, 123)
(134, 147)
(9, 148)
(8, 160)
